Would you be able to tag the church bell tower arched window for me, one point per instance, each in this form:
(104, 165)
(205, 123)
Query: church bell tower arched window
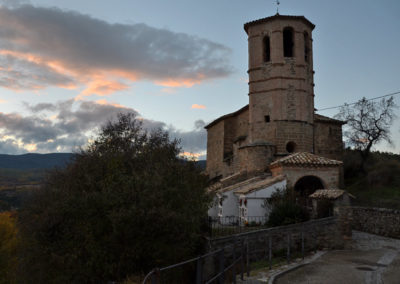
(288, 42)
(306, 48)
(267, 49)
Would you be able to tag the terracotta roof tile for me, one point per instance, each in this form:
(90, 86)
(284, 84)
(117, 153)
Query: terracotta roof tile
(305, 159)
(330, 194)
(259, 185)
(232, 114)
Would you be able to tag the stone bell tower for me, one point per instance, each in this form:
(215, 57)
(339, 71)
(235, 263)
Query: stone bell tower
(281, 83)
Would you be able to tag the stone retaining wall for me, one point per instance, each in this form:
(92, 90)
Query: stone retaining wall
(379, 221)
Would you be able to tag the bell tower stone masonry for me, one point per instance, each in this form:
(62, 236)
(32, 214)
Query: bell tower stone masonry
(281, 85)
(279, 119)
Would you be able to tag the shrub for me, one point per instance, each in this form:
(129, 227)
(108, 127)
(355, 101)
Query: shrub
(8, 247)
(126, 204)
(284, 210)
(287, 212)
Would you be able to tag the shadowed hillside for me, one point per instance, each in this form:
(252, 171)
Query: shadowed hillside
(20, 175)
(34, 161)
(379, 186)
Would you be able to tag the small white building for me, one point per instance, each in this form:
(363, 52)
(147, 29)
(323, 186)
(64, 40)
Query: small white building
(252, 198)
(236, 203)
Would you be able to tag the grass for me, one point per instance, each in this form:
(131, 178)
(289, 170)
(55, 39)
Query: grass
(385, 197)
(231, 230)
(276, 261)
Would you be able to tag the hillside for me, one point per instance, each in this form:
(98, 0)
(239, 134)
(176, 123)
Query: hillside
(34, 161)
(20, 175)
(379, 186)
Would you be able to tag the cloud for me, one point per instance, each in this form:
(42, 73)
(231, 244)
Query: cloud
(70, 125)
(196, 106)
(194, 141)
(41, 47)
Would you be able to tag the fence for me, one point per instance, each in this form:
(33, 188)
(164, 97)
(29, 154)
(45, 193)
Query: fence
(209, 268)
(223, 226)
(280, 243)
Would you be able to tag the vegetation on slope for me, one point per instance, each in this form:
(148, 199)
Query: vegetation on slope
(379, 185)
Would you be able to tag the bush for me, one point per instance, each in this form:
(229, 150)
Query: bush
(126, 204)
(8, 248)
(384, 173)
(287, 212)
(284, 210)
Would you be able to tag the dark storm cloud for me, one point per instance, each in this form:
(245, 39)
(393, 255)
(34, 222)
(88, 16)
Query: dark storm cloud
(59, 46)
(194, 141)
(73, 124)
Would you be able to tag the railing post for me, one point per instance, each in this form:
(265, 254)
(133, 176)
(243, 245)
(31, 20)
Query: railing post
(270, 251)
(288, 248)
(221, 266)
(155, 277)
(315, 242)
(302, 242)
(247, 258)
(199, 270)
(234, 261)
(242, 260)
(210, 224)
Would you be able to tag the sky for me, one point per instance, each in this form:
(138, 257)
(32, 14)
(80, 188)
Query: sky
(67, 67)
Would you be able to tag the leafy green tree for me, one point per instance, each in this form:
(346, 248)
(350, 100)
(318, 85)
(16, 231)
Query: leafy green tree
(126, 204)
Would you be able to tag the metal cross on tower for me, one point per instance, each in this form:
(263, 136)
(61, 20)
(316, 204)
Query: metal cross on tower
(277, 6)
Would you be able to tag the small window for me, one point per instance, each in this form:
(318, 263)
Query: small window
(306, 47)
(288, 42)
(291, 147)
(267, 118)
(267, 49)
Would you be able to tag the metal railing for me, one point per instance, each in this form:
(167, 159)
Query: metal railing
(226, 259)
(278, 243)
(223, 226)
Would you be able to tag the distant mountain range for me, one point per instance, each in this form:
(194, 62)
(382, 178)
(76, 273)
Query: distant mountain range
(43, 161)
(21, 174)
(34, 161)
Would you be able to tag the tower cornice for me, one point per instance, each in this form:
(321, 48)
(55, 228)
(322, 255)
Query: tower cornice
(277, 17)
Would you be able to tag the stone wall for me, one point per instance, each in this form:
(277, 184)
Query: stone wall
(215, 149)
(328, 140)
(322, 233)
(330, 176)
(379, 221)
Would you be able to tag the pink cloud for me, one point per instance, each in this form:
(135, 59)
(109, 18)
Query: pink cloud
(196, 106)
(67, 49)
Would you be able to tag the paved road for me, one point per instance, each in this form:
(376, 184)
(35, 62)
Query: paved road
(373, 260)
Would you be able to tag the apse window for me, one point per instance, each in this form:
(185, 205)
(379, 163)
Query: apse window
(267, 118)
(288, 43)
(290, 147)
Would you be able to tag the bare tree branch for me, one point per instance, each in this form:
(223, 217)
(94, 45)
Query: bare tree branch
(368, 123)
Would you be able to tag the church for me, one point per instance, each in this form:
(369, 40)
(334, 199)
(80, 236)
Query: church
(276, 140)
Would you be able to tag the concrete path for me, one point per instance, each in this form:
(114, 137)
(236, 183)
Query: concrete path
(372, 260)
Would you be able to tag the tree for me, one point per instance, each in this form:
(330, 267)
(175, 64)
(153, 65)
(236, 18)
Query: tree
(368, 123)
(126, 204)
(283, 209)
(8, 247)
